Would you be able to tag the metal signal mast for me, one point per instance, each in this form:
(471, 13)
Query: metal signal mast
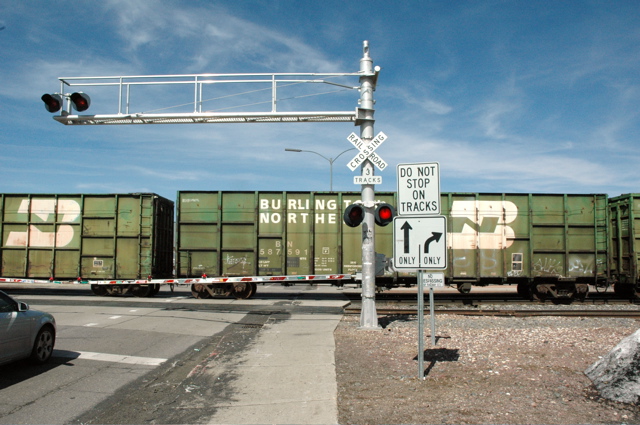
(273, 84)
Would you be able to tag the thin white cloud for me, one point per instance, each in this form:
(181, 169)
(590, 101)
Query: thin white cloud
(215, 37)
(526, 103)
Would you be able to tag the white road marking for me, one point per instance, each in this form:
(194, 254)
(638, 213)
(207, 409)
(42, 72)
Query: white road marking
(91, 324)
(115, 317)
(170, 300)
(113, 358)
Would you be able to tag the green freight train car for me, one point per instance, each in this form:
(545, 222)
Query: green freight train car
(550, 245)
(86, 237)
(270, 233)
(624, 231)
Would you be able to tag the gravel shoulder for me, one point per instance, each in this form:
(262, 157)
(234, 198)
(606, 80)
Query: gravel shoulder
(482, 370)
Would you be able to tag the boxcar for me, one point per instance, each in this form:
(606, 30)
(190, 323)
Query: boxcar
(550, 245)
(270, 233)
(70, 236)
(624, 258)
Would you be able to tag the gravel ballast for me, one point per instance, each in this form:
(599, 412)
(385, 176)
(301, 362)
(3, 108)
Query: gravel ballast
(482, 370)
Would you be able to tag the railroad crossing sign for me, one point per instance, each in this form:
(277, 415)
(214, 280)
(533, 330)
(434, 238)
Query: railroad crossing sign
(367, 151)
(419, 189)
(420, 243)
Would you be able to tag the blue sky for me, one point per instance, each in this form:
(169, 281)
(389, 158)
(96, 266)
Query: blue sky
(508, 96)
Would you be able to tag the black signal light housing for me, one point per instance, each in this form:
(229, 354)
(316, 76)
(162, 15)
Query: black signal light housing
(384, 214)
(354, 215)
(80, 101)
(52, 102)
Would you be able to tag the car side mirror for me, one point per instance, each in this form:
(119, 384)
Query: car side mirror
(23, 306)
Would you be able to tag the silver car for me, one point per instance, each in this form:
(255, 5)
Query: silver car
(25, 333)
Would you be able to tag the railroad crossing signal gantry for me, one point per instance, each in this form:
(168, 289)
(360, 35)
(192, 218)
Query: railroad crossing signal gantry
(193, 85)
(270, 83)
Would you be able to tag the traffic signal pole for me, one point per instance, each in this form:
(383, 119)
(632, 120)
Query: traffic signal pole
(368, 315)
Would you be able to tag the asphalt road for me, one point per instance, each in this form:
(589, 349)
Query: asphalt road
(125, 359)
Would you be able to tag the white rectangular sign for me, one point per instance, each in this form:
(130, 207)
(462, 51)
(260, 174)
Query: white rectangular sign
(420, 243)
(367, 180)
(419, 189)
(433, 279)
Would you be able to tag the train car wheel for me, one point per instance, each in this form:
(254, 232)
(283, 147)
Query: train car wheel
(622, 290)
(524, 290)
(99, 290)
(200, 291)
(464, 288)
(582, 291)
(141, 291)
(154, 290)
(242, 290)
(539, 292)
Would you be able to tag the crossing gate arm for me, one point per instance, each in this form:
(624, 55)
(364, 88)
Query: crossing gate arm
(189, 281)
(41, 281)
(236, 279)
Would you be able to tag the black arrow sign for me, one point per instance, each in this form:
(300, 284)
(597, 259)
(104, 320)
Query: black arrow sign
(406, 227)
(435, 237)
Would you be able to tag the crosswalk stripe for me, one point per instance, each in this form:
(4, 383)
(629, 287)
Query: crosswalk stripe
(105, 357)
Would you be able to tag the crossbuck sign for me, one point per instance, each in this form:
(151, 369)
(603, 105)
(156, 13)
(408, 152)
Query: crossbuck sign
(367, 151)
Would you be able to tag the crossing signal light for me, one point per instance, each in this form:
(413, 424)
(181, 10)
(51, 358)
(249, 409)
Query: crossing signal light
(52, 102)
(353, 215)
(80, 101)
(384, 214)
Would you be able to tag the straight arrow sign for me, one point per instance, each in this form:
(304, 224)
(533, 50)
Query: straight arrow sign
(406, 227)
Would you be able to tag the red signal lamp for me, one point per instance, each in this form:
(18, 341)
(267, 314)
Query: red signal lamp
(52, 102)
(384, 214)
(80, 101)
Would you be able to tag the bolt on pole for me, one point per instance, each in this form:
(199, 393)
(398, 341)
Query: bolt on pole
(368, 315)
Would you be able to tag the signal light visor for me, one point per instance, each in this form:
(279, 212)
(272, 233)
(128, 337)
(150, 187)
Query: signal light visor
(80, 101)
(52, 102)
(353, 215)
(384, 214)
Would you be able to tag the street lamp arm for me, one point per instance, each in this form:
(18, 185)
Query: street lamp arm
(331, 160)
(301, 150)
(352, 149)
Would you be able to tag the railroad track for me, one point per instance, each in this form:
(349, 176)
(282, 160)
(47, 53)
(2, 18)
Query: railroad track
(633, 314)
(500, 304)
(452, 299)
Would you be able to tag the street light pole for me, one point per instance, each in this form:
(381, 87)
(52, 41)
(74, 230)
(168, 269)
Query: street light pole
(331, 161)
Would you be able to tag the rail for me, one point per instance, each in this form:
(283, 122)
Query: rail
(629, 314)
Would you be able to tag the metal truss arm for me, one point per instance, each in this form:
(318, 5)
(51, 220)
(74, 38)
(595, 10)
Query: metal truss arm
(268, 83)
